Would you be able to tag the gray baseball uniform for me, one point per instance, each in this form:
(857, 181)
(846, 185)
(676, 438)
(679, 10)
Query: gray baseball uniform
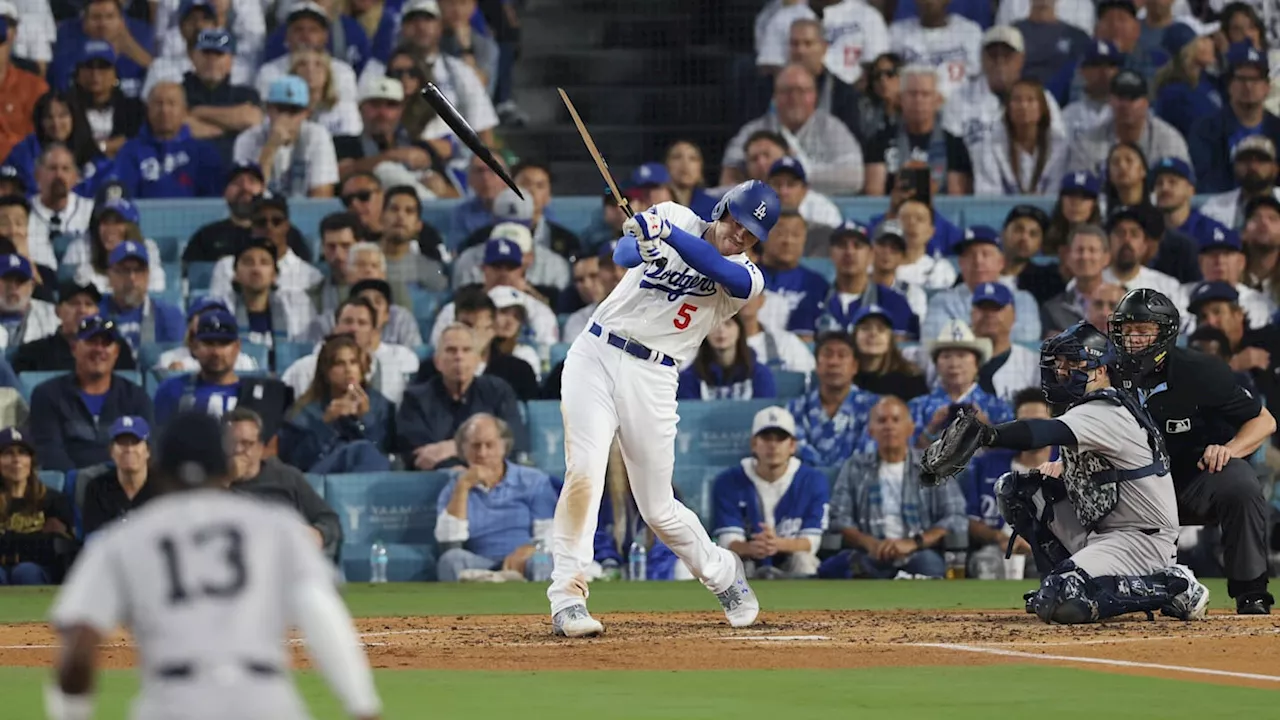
(1139, 535)
(205, 582)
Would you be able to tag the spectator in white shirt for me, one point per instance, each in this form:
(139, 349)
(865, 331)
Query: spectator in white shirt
(270, 219)
(111, 223)
(1011, 367)
(392, 367)
(1135, 234)
(818, 139)
(327, 109)
(915, 225)
(181, 359)
(267, 311)
(504, 266)
(199, 17)
(56, 211)
(787, 178)
(307, 28)
(296, 155)
(1022, 155)
(773, 31)
(1102, 61)
(946, 41)
(23, 319)
(976, 107)
(242, 18)
(37, 32)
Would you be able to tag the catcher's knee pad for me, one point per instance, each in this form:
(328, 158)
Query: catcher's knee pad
(1066, 596)
(1025, 501)
(1070, 595)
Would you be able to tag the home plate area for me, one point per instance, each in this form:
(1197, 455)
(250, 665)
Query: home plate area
(1225, 648)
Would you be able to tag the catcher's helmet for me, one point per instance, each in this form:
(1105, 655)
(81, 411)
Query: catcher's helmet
(753, 204)
(1080, 342)
(192, 450)
(1146, 306)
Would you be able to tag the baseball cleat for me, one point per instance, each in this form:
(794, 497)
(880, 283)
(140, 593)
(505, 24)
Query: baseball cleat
(1191, 604)
(1255, 604)
(740, 604)
(574, 622)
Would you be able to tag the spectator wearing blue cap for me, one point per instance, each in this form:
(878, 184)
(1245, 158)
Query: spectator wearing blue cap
(71, 414)
(853, 288)
(112, 492)
(216, 97)
(1023, 239)
(244, 21)
(23, 319)
(196, 17)
(319, 26)
(104, 32)
(1184, 88)
(11, 181)
(1175, 187)
(1131, 122)
(1251, 349)
(296, 155)
(166, 159)
(795, 293)
(1214, 137)
(1053, 44)
(547, 272)
(38, 521)
(53, 352)
(113, 222)
(882, 368)
(981, 261)
(216, 388)
(182, 358)
(95, 86)
(1011, 368)
(787, 177)
(21, 89)
(1091, 111)
(1222, 260)
(140, 319)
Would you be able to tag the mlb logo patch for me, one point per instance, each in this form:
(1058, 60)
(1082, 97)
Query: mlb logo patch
(1174, 427)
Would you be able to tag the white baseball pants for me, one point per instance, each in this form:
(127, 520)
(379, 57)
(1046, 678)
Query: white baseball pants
(607, 391)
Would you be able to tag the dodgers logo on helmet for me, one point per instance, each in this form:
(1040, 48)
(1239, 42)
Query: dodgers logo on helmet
(753, 204)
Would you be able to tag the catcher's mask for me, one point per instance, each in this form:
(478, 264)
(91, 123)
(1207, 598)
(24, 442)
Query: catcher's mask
(1081, 342)
(1139, 354)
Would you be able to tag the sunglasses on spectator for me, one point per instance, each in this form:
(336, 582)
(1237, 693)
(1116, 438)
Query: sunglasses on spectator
(359, 196)
(270, 221)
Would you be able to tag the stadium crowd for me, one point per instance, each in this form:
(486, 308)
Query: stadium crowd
(376, 342)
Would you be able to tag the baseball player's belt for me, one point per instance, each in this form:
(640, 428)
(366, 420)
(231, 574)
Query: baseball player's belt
(631, 347)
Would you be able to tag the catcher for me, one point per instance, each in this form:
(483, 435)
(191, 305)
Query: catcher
(1103, 519)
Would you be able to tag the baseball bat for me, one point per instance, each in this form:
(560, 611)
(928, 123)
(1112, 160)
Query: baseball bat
(601, 165)
(455, 121)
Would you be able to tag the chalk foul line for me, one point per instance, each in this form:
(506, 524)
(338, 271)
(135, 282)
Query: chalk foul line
(1098, 661)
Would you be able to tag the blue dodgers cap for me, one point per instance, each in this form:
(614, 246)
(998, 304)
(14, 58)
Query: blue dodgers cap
(217, 324)
(94, 326)
(1083, 183)
(289, 90)
(128, 250)
(870, 311)
(11, 436)
(94, 50)
(120, 206)
(130, 425)
(789, 165)
(216, 40)
(753, 204)
(1221, 238)
(1103, 52)
(977, 234)
(650, 174)
(16, 265)
(853, 230)
(1244, 53)
(1176, 166)
(9, 172)
(993, 293)
(502, 251)
(187, 6)
(1177, 36)
(204, 304)
(1207, 292)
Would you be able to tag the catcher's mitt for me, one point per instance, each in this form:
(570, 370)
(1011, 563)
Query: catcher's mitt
(950, 453)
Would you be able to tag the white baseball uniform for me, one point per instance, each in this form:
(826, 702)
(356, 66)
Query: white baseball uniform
(954, 49)
(209, 583)
(668, 309)
(857, 36)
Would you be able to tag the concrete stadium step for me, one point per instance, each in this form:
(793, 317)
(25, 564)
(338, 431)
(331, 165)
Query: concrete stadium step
(622, 68)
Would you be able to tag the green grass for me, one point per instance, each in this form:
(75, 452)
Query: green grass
(986, 692)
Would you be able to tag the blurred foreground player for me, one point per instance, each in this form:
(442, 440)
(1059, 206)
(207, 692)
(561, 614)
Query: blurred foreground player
(209, 583)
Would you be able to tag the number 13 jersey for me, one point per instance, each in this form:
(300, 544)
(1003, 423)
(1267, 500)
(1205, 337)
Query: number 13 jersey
(671, 308)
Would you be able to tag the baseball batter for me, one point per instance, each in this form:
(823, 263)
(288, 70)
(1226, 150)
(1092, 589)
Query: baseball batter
(1104, 519)
(209, 584)
(686, 276)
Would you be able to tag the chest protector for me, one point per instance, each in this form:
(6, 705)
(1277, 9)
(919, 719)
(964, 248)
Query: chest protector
(1091, 480)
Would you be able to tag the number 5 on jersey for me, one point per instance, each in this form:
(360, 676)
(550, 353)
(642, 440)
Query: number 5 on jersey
(683, 318)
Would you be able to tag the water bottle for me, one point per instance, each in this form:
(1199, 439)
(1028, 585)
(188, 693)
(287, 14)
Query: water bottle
(378, 559)
(540, 563)
(638, 559)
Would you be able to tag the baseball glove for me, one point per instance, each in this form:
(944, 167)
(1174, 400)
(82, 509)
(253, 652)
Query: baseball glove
(950, 453)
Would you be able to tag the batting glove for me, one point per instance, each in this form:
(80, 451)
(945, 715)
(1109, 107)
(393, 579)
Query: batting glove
(647, 226)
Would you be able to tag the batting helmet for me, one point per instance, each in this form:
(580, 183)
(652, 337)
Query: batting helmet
(1144, 306)
(753, 204)
(1080, 342)
(192, 449)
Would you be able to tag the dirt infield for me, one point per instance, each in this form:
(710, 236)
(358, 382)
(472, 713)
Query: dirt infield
(1237, 648)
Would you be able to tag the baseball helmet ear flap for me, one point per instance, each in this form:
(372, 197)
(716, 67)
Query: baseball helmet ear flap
(754, 205)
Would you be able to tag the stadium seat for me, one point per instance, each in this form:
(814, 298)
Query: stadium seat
(259, 352)
(546, 435)
(426, 305)
(287, 353)
(790, 384)
(199, 276)
(716, 432)
(822, 266)
(423, 352)
(149, 353)
(33, 378)
(170, 249)
(558, 353)
(53, 479)
(398, 508)
(316, 482)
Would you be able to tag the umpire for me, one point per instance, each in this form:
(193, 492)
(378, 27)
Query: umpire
(1210, 425)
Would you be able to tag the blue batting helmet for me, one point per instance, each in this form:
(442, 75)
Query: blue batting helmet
(753, 204)
(1081, 341)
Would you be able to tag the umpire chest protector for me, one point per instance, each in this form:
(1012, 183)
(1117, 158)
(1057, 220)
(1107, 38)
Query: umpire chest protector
(1091, 480)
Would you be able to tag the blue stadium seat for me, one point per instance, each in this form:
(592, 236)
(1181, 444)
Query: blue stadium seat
(316, 482)
(424, 327)
(33, 378)
(199, 276)
(170, 249)
(716, 432)
(287, 353)
(822, 266)
(398, 508)
(558, 353)
(259, 352)
(693, 487)
(424, 352)
(149, 353)
(426, 304)
(53, 479)
(790, 384)
(546, 435)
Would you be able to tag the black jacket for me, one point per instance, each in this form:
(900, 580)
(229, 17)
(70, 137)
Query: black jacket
(277, 482)
(429, 415)
(53, 353)
(105, 501)
(66, 436)
(515, 371)
(219, 239)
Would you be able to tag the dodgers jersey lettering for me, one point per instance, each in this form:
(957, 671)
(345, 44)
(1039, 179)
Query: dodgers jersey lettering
(671, 308)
